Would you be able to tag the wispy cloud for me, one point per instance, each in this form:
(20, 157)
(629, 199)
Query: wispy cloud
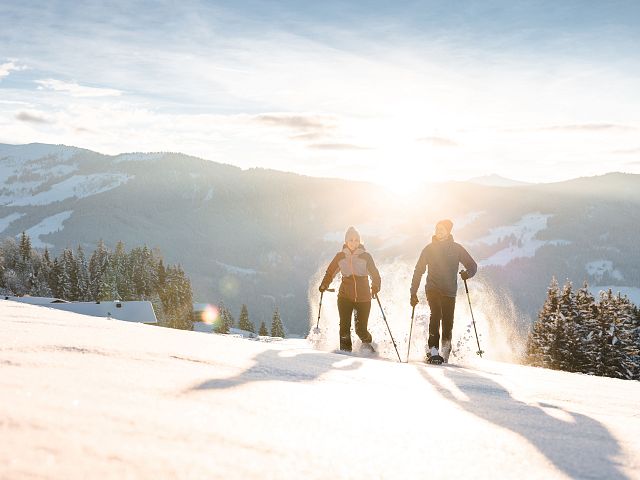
(8, 67)
(32, 117)
(76, 90)
(589, 127)
(439, 141)
(337, 146)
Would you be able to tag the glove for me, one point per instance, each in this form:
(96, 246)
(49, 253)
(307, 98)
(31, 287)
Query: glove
(414, 300)
(464, 275)
(374, 290)
(322, 287)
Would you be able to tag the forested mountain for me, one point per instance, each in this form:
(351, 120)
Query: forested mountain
(262, 237)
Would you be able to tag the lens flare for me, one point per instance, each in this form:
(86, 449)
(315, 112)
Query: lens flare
(210, 314)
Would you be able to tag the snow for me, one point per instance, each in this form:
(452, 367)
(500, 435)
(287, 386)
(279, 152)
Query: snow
(598, 268)
(85, 397)
(137, 157)
(78, 186)
(524, 231)
(6, 221)
(36, 151)
(632, 292)
(49, 225)
(237, 270)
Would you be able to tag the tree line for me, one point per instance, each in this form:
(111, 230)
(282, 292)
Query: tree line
(105, 275)
(576, 332)
(225, 322)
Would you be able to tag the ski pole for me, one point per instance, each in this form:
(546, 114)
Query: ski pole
(479, 352)
(317, 330)
(390, 334)
(413, 310)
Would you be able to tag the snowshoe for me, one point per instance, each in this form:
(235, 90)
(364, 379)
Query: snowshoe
(435, 360)
(367, 349)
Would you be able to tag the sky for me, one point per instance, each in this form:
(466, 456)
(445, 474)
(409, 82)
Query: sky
(398, 93)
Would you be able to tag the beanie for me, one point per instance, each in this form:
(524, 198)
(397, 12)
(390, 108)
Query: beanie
(351, 231)
(447, 224)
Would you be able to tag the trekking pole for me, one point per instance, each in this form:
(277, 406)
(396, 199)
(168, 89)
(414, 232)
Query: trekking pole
(413, 310)
(479, 352)
(390, 334)
(317, 330)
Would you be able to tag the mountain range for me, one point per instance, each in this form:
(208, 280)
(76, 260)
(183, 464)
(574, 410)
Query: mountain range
(264, 237)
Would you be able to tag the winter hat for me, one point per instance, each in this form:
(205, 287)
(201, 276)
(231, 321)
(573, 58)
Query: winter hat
(351, 231)
(447, 224)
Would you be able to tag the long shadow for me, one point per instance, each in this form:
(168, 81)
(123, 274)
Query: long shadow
(580, 447)
(271, 365)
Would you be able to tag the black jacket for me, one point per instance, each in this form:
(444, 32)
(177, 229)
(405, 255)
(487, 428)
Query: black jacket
(443, 259)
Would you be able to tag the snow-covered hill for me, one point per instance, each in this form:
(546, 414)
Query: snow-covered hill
(82, 397)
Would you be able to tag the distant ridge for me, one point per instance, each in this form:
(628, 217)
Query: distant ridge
(494, 180)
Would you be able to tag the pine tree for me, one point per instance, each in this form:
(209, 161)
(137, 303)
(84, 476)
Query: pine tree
(82, 291)
(612, 358)
(569, 323)
(98, 264)
(226, 319)
(263, 330)
(243, 321)
(587, 324)
(540, 341)
(277, 329)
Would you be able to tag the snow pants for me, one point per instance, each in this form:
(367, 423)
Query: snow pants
(346, 308)
(442, 309)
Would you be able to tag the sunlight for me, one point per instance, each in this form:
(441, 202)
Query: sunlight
(210, 314)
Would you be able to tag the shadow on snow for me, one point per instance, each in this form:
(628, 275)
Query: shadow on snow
(271, 365)
(581, 447)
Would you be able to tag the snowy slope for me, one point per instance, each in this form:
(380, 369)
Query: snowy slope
(91, 398)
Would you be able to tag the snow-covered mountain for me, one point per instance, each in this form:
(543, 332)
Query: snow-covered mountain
(85, 397)
(264, 237)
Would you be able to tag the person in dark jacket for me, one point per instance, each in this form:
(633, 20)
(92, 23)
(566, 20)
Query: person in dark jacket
(356, 265)
(443, 257)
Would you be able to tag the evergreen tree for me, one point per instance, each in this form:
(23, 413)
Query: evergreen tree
(98, 264)
(243, 321)
(277, 329)
(569, 332)
(225, 319)
(587, 324)
(263, 330)
(540, 341)
(69, 275)
(81, 287)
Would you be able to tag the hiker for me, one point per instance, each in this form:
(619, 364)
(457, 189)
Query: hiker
(443, 257)
(356, 265)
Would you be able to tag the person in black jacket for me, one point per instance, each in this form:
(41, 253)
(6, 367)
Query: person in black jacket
(356, 265)
(443, 257)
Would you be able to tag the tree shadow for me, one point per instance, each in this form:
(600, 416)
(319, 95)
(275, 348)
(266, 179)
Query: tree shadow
(271, 365)
(579, 446)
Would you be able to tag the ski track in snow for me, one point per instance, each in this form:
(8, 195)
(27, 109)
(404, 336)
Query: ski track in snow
(50, 224)
(84, 397)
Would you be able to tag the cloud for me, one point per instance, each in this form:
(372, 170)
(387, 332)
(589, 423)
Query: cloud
(633, 164)
(308, 137)
(439, 141)
(589, 127)
(8, 67)
(32, 117)
(337, 146)
(76, 90)
(298, 122)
